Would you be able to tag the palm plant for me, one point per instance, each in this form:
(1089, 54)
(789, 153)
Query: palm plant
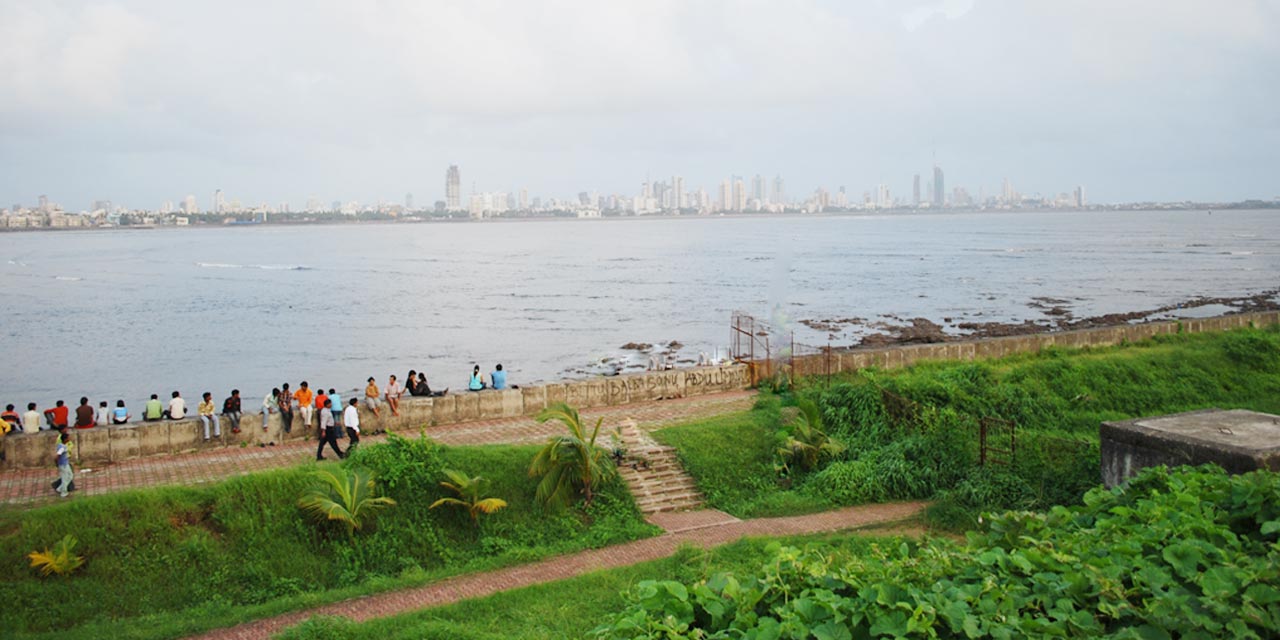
(348, 496)
(807, 443)
(469, 491)
(60, 560)
(570, 464)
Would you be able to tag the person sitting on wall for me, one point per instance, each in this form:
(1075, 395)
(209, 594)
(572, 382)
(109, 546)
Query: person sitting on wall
(477, 380)
(104, 414)
(31, 419)
(153, 410)
(84, 414)
(426, 388)
(121, 414)
(498, 378)
(411, 384)
(177, 407)
(57, 416)
(231, 409)
(10, 420)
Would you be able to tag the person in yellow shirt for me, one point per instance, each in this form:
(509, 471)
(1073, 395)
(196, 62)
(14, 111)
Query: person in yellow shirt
(371, 397)
(206, 412)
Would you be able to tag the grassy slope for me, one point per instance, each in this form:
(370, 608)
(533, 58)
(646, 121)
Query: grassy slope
(567, 608)
(167, 561)
(1057, 398)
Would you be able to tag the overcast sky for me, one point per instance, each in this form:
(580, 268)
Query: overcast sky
(145, 101)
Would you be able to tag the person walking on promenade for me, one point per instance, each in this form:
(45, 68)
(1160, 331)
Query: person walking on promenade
(477, 380)
(328, 432)
(57, 416)
(269, 405)
(177, 407)
(393, 395)
(336, 401)
(284, 402)
(304, 397)
(498, 378)
(231, 409)
(62, 456)
(84, 414)
(153, 410)
(371, 397)
(207, 417)
(351, 420)
(104, 414)
(121, 413)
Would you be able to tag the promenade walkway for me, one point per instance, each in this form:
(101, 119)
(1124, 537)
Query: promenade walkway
(719, 531)
(31, 486)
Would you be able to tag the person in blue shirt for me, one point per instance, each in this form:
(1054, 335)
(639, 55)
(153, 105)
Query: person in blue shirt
(121, 414)
(336, 401)
(498, 378)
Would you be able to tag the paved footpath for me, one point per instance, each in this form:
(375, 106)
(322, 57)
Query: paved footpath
(31, 486)
(482, 584)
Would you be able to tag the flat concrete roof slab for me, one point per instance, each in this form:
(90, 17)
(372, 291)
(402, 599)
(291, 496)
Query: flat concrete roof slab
(1236, 430)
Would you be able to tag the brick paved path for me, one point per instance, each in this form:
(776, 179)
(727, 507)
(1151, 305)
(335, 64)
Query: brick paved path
(482, 584)
(31, 486)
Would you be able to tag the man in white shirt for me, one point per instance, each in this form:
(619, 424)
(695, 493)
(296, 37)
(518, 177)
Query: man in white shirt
(31, 419)
(351, 420)
(177, 407)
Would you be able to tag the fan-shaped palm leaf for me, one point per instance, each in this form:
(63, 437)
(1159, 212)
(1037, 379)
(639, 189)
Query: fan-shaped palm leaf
(349, 496)
(570, 464)
(807, 444)
(469, 491)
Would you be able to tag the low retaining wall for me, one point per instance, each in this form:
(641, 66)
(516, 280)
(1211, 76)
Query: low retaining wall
(99, 445)
(987, 348)
(110, 444)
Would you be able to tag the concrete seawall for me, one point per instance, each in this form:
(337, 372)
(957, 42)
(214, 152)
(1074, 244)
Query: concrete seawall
(106, 444)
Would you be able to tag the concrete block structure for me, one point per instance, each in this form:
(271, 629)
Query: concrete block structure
(1238, 441)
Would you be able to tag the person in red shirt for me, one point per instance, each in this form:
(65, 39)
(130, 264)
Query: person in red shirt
(320, 398)
(57, 416)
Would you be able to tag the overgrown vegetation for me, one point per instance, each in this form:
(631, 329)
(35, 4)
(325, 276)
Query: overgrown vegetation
(570, 608)
(914, 433)
(242, 549)
(1192, 553)
(572, 464)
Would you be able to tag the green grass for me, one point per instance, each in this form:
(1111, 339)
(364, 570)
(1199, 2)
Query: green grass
(570, 608)
(913, 433)
(165, 562)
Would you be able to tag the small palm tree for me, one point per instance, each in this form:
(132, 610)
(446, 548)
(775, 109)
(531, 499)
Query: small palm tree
(61, 560)
(348, 496)
(570, 464)
(807, 444)
(469, 491)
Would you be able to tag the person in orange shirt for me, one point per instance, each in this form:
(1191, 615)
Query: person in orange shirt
(304, 397)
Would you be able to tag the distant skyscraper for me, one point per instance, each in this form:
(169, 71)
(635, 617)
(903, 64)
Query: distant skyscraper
(219, 201)
(1079, 196)
(453, 188)
(408, 202)
(759, 188)
(524, 199)
(677, 185)
(726, 195)
(915, 191)
(939, 190)
(189, 205)
(739, 194)
(779, 194)
(1006, 191)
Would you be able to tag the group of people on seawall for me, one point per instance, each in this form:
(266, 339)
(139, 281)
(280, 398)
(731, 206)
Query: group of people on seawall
(305, 403)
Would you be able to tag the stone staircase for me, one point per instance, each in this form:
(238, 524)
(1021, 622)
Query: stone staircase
(654, 474)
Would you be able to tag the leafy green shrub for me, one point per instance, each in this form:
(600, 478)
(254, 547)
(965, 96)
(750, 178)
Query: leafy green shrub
(570, 464)
(847, 482)
(1174, 554)
(319, 628)
(1252, 349)
(401, 464)
(804, 442)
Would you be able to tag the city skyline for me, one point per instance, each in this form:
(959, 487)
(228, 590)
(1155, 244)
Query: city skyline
(1140, 101)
